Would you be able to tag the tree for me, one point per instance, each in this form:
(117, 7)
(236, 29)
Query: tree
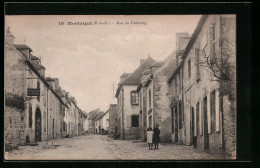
(221, 67)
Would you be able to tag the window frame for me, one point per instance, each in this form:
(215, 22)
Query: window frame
(189, 68)
(136, 98)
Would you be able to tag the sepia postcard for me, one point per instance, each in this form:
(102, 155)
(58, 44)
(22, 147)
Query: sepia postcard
(120, 87)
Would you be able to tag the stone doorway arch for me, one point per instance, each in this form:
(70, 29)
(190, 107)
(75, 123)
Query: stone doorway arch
(38, 125)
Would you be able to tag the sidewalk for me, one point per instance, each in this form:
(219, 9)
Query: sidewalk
(132, 150)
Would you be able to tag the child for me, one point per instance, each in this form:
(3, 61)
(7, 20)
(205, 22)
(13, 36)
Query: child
(150, 138)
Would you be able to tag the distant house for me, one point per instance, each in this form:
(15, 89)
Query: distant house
(128, 101)
(105, 122)
(98, 122)
(91, 122)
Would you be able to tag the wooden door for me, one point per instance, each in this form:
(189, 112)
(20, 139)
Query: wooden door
(38, 126)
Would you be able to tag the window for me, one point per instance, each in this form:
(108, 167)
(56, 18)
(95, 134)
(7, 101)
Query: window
(64, 126)
(150, 98)
(134, 98)
(197, 52)
(189, 68)
(212, 41)
(30, 115)
(135, 121)
(213, 111)
(38, 87)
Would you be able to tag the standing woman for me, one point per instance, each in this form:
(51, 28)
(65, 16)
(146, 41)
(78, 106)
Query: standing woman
(156, 136)
(150, 138)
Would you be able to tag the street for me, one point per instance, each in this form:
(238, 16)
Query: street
(88, 147)
(100, 147)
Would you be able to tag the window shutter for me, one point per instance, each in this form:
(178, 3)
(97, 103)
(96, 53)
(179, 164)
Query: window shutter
(128, 121)
(195, 121)
(208, 112)
(200, 116)
(217, 111)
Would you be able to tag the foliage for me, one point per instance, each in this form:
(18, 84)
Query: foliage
(14, 100)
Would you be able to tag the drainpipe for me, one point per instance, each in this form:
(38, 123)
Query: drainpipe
(123, 119)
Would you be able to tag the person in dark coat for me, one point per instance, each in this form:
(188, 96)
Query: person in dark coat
(156, 136)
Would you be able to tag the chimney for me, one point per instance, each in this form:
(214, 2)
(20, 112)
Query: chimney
(42, 70)
(35, 61)
(9, 37)
(51, 82)
(57, 83)
(145, 74)
(182, 40)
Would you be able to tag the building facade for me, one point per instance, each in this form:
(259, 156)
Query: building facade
(128, 101)
(40, 109)
(208, 121)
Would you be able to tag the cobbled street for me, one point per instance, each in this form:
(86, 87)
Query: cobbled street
(100, 147)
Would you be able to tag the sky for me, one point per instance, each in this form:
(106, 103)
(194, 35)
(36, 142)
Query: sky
(89, 58)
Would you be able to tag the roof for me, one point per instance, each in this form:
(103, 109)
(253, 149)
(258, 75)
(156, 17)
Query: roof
(124, 75)
(190, 43)
(194, 35)
(34, 58)
(157, 64)
(30, 65)
(41, 67)
(135, 77)
(49, 79)
(92, 114)
(98, 116)
(169, 65)
(22, 46)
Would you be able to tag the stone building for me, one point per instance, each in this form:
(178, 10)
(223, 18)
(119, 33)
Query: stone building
(33, 109)
(208, 120)
(128, 101)
(112, 119)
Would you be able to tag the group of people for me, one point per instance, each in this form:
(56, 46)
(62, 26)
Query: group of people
(153, 137)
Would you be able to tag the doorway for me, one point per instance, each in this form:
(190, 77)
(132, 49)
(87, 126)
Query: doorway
(38, 126)
(206, 135)
(175, 123)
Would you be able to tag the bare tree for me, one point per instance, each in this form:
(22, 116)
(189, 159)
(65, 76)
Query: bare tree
(221, 67)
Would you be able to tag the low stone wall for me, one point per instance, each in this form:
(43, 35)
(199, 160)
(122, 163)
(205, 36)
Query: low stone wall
(14, 125)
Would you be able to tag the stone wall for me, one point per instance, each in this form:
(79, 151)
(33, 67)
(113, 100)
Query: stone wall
(229, 127)
(112, 119)
(14, 126)
(161, 104)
